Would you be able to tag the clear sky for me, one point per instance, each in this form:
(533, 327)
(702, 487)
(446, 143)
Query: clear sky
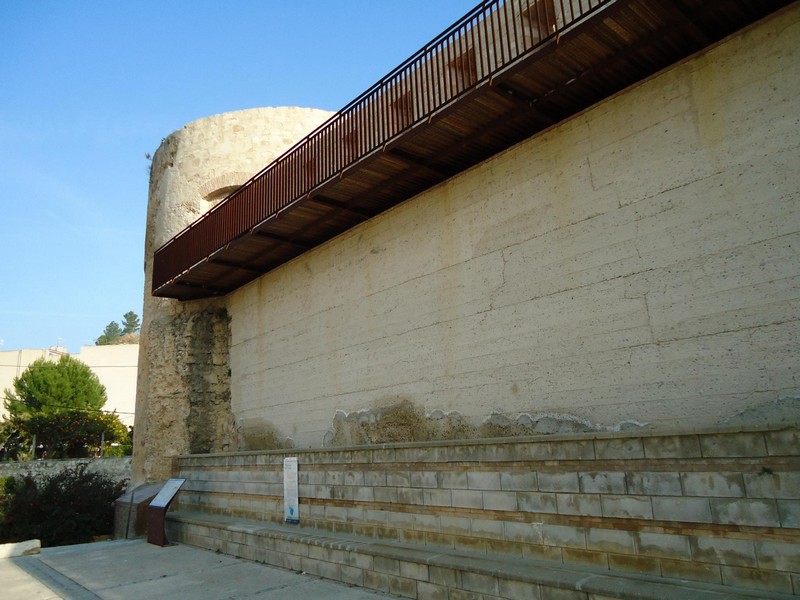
(87, 88)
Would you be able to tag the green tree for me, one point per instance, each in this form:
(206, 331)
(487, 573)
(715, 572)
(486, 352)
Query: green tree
(61, 404)
(130, 323)
(110, 334)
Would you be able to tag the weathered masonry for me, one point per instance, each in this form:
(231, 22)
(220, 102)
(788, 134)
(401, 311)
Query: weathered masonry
(537, 290)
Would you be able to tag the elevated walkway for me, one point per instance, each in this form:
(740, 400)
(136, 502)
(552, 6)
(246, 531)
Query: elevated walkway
(592, 516)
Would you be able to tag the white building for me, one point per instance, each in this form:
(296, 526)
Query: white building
(115, 366)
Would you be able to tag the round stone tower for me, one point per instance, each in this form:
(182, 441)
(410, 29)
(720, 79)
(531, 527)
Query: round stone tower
(183, 391)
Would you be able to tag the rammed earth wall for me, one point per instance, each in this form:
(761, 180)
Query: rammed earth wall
(636, 264)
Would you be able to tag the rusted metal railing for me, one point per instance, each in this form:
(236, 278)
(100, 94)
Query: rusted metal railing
(481, 44)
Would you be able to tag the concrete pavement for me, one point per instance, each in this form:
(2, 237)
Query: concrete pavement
(128, 569)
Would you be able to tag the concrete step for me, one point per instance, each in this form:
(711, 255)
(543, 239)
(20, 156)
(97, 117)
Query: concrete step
(428, 572)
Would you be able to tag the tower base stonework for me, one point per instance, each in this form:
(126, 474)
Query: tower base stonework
(183, 402)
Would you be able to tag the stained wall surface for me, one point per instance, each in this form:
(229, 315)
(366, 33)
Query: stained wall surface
(636, 265)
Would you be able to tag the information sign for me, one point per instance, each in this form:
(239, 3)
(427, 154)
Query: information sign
(290, 491)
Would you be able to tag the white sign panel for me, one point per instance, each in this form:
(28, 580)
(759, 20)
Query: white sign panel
(290, 493)
(167, 493)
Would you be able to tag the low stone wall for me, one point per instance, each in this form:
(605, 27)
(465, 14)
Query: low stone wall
(118, 468)
(717, 507)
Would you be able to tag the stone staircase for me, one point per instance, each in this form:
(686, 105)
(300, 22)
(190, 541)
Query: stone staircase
(590, 516)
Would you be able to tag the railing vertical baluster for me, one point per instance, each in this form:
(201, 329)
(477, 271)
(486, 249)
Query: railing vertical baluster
(486, 39)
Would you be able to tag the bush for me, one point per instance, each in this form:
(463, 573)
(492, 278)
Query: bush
(70, 507)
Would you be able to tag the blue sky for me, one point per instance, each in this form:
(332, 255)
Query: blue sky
(89, 87)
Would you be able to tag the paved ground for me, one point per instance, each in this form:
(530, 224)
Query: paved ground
(128, 569)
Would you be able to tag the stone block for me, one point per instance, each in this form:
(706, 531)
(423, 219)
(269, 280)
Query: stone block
(426, 522)
(654, 483)
(518, 481)
(627, 507)
(454, 525)
(558, 482)
(398, 479)
(778, 556)
(723, 484)
(414, 570)
(410, 536)
(478, 582)
(469, 543)
(352, 575)
(619, 449)
(536, 502)
(579, 504)
(691, 570)
(784, 485)
(364, 494)
(729, 445)
(384, 455)
(789, 511)
(386, 494)
(591, 558)
(690, 510)
(401, 586)
(424, 479)
(758, 513)
(444, 577)
(467, 498)
(376, 581)
(563, 536)
(723, 551)
(684, 446)
(411, 496)
(437, 497)
(555, 593)
(433, 538)
(499, 500)
(452, 480)
(602, 482)
(431, 591)
(375, 478)
(757, 579)
(354, 478)
(610, 540)
(383, 564)
(644, 565)
(487, 528)
(336, 513)
(542, 552)
(528, 533)
(483, 480)
(334, 478)
(663, 545)
(509, 588)
(467, 595)
(782, 443)
(572, 450)
(359, 559)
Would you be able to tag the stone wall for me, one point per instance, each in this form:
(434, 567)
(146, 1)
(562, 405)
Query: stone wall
(117, 468)
(634, 266)
(183, 390)
(719, 507)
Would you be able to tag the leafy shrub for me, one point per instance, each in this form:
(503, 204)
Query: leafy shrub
(70, 507)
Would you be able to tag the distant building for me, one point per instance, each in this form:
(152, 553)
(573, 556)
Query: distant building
(115, 366)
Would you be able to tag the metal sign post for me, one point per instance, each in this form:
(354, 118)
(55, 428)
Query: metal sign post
(157, 512)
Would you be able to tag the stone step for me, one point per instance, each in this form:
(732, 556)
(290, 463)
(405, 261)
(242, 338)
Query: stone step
(415, 571)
